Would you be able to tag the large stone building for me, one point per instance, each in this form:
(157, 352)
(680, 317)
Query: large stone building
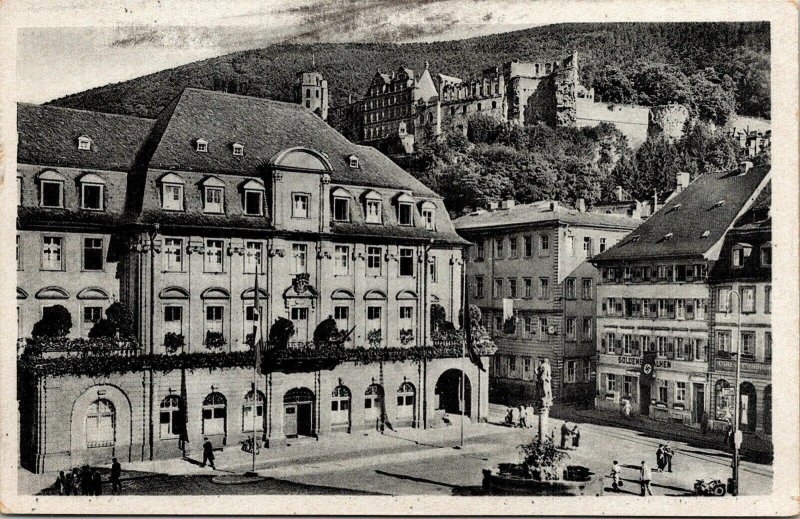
(654, 298)
(530, 264)
(743, 324)
(402, 108)
(176, 218)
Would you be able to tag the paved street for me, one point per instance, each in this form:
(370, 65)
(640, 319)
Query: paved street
(409, 462)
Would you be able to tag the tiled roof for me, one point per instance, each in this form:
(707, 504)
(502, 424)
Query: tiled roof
(48, 136)
(265, 127)
(56, 218)
(447, 236)
(539, 212)
(758, 216)
(694, 220)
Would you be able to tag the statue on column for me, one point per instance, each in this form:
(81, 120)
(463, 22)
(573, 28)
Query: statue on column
(544, 390)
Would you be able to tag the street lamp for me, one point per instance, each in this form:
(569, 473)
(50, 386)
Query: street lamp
(737, 435)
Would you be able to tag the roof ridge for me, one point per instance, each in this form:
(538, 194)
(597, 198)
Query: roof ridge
(111, 114)
(242, 96)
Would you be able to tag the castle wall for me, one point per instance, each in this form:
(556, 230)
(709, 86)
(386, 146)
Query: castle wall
(631, 120)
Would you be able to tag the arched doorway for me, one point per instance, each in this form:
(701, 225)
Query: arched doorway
(406, 397)
(448, 393)
(768, 410)
(373, 405)
(340, 409)
(747, 407)
(298, 412)
(215, 414)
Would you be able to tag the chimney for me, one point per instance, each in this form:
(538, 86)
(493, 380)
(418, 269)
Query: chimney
(681, 181)
(618, 193)
(492, 205)
(508, 203)
(552, 206)
(580, 205)
(745, 166)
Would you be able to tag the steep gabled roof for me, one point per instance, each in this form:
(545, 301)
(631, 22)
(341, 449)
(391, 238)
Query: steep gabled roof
(694, 222)
(48, 136)
(266, 128)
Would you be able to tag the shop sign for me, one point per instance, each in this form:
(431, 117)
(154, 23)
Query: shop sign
(637, 361)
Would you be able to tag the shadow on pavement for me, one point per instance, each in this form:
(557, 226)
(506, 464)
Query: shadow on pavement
(414, 478)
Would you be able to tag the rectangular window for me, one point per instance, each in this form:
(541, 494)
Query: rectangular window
(663, 386)
(92, 196)
(253, 257)
(571, 371)
(611, 382)
(512, 363)
(748, 341)
(569, 288)
(213, 200)
(723, 300)
(374, 261)
(173, 254)
(587, 370)
(373, 313)
(405, 214)
(173, 319)
(512, 288)
(373, 211)
(341, 260)
(173, 197)
(478, 287)
(543, 327)
(602, 244)
(767, 346)
(253, 202)
(300, 205)
(528, 246)
(52, 193)
(498, 247)
(768, 299)
(479, 250)
(627, 387)
(569, 245)
(570, 328)
(341, 209)
(92, 254)
(680, 391)
(52, 247)
(723, 343)
(528, 287)
(498, 322)
(586, 288)
(433, 270)
(512, 242)
(214, 318)
(213, 256)
(737, 258)
(406, 262)
(748, 295)
(300, 253)
(498, 288)
(544, 288)
(342, 316)
(91, 314)
(587, 246)
(587, 328)
(530, 327)
(766, 255)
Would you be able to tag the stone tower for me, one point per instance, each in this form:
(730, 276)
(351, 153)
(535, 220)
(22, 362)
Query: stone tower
(311, 91)
(667, 120)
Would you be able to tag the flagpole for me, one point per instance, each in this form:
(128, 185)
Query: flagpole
(466, 322)
(256, 356)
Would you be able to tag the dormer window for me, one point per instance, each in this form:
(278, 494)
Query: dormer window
(634, 238)
(238, 149)
(84, 143)
(253, 198)
(429, 215)
(172, 192)
(674, 208)
(706, 234)
(213, 195)
(202, 145)
(51, 186)
(373, 210)
(405, 210)
(92, 190)
(341, 205)
(353, 162)
(668, 236)
(740, 252)
(766, 254)
(719, 203)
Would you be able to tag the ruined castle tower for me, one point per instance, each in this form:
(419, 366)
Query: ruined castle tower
(667, 120)
(311, 91)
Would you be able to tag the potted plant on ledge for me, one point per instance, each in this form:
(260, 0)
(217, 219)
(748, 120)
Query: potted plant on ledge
(214, 340)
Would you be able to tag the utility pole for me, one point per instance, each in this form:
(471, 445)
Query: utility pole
(737, 435)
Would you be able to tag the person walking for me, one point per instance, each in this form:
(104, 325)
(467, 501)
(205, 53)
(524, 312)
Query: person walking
(116, 472)
(208, 453)
(660, 457)
(564, 435)
(616, 476)
(626, 409)
(576, 437)
(523, 423)
(644, 478)
(97, 482)
(61, 483)
(514, 416)
(668, 453)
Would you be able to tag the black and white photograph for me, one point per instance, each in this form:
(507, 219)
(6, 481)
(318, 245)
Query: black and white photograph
(467, 252)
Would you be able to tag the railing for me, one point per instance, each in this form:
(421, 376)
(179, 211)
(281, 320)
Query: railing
(79, 347)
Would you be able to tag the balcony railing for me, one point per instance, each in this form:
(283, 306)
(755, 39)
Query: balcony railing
(47, 347)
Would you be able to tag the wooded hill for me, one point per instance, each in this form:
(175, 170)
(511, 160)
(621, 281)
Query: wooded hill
(733, 56)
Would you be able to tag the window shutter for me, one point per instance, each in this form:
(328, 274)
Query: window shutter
(618, 346)
(670, 348)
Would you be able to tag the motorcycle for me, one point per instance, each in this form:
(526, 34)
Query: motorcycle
(713, 487)
(247, 445)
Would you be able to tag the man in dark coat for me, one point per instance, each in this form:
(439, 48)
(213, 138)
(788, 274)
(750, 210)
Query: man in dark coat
(660, 457)
(86, 481)
(116, 472)
(97, 483)
(565, 432)
(208, 453)
(668, 453)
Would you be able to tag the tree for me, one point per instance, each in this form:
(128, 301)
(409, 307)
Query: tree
(613, 85)
(326, 331)
(280, 332)
(711, 100)
(56, 322)
(482, 128)
(117, 323)
(661, 84)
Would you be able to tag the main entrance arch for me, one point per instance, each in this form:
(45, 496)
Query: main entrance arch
(298, 412)
(448, 393)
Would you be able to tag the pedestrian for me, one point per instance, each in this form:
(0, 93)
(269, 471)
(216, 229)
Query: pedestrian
(728, 434)
(668, 453)
(616, 476)
(514, 416)
(660, 457)
(626, 409)
(645, 478)
(704, 423)
(97, 482)
(531, 415)
(116, 472)
(564, 434)
(522, 421)
(61, 483)
(76, 481)
(509, 417)
(86, 480)
(576, 437)
(208, 453)
(69, 483)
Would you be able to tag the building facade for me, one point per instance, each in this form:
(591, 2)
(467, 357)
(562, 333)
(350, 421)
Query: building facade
(743, 323)
(195, 217)
(654, 297)
(530, 264)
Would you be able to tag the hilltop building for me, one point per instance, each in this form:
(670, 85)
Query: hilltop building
(176, 218)
(529, 272)
(654, 298)
(311, 92)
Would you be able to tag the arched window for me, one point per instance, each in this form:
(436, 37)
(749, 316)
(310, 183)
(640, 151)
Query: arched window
(171, 421)
(215, 413)
(340, 405)
(405, 401)
(247, 411)
(373, 404)
(100, 423)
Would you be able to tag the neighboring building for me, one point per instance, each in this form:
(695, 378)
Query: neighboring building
(653, 297)
(175, 217)
(621, 202)
(753, 134)
(744, 267)
(533, 261)
(311, 91)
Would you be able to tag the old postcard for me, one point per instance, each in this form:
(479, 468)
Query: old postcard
(448, 257)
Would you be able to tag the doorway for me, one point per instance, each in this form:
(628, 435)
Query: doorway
(448, 393)
(298, 413)
(644, 397)
(699, 404)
